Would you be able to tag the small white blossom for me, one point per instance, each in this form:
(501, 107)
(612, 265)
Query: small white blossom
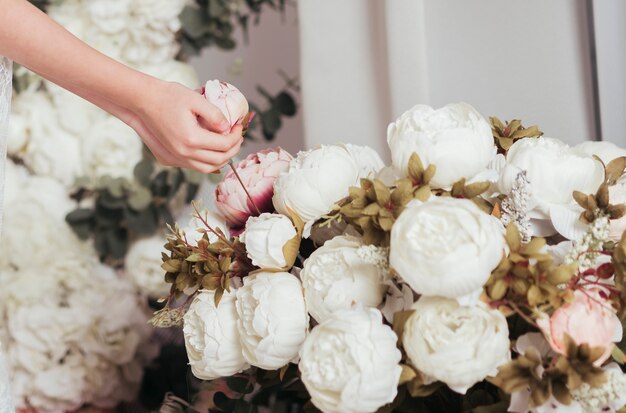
(609, 397)
(597, 234)
(515, 206)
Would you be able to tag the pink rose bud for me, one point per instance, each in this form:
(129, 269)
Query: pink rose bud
(617, 195)
(589, 319)
(258, 173)
(228, 99)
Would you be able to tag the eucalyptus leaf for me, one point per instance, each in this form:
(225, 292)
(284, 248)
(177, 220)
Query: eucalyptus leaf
(143, 171)
(193, 23)
(285, 104)
(140, 199)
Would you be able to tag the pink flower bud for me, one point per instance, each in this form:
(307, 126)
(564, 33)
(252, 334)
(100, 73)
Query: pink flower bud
(258, 173)
(228, 99)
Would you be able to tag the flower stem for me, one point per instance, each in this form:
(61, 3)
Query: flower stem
(232, 167)
(210, 228)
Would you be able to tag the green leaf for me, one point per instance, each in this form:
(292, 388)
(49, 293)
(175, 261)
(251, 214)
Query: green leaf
(194, 24)
(239, 384)
(285, 104)
(140, 199)
(143, 171)
(145, 222)
(271, 123)
(80, 215)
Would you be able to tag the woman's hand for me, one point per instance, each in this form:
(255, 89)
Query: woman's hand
(172, 120)
(168, 116)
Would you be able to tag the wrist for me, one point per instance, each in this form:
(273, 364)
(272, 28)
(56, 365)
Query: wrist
(145, 90)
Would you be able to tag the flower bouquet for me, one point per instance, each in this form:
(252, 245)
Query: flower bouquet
(482, 271)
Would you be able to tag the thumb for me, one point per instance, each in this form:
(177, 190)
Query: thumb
(211, 117)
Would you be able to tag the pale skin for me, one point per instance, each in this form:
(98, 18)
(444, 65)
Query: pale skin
(169, 117)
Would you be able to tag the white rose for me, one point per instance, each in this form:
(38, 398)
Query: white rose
(604, 150)
(143, 266)
(265, 237)
(111, 149)
(456, 139)
(316, 180)
(341, 273)
(446, 247)
(458, 345)
(273, 321)
(349, 363)
(212, 338)
(554, 172)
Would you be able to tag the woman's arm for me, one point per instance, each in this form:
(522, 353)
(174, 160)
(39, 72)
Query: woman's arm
(164, 114)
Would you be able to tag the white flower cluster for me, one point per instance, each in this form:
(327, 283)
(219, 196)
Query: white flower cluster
(62, 136)
(514, 207)
(609, 397)
(584, 250)
(74, 332)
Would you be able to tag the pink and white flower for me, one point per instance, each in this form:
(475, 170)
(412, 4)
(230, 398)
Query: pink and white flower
(258, 173)
(588, 319)
(228, 99)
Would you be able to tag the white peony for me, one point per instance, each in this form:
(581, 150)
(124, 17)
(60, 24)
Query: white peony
(367, 158)
(38, 206)
(554, 172)
(15, 177)
(143, 266)
(341, 273)
(212, 337)
(67, 344)
(350, 362)
(39, 139)
(446, 247)
(606, 151)
(109, 16)
(316, 180)
(456, 139)
(273, 321)
(265, 237)
(111, 149)
(458, 345)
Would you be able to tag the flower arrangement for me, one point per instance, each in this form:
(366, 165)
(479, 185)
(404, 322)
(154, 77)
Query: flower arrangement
(482, 271)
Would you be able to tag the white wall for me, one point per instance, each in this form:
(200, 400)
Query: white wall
(525, 59)
(610, 29)
(365, 61)
(273, 45)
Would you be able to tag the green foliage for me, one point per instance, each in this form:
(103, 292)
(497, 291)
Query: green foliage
(269, 119)
(213, 22)
(124, 210)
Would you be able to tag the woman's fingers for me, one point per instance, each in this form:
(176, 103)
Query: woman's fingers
(209, 115)
(216, 142)
(215, 158)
